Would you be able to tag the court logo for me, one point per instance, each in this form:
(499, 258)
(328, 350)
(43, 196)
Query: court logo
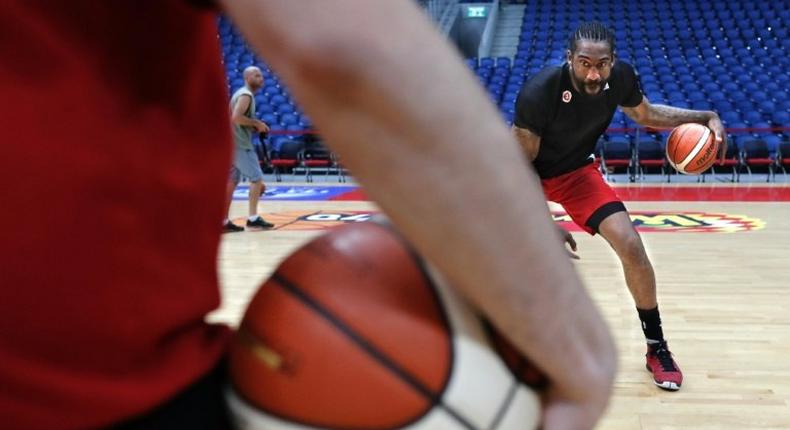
(566, 96)
(647, 222)
(684, 222)
(312, 220)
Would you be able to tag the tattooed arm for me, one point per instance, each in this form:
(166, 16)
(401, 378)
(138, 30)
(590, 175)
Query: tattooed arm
(659, 116)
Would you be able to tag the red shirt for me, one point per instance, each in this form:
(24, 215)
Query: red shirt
(113, 163)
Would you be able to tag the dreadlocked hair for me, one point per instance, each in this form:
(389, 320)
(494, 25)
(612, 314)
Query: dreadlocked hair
(593, 31)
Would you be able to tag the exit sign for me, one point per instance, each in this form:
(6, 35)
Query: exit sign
(476, 11)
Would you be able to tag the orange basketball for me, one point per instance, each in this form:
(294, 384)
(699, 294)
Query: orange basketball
(691, 148)
(353, 330)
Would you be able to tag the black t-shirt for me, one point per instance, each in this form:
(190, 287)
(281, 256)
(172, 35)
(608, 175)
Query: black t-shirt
(569, 122)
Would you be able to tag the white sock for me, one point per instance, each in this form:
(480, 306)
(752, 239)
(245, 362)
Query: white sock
(253, 217)
(226, 221)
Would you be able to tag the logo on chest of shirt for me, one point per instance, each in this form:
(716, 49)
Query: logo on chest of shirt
(566, 96)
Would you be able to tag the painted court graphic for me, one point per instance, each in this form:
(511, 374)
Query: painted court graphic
(648, 222)
(297, 192)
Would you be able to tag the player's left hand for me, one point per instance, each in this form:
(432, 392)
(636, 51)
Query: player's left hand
(567, 237)
(720, 135)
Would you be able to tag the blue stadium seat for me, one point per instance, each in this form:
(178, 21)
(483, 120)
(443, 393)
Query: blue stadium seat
(272, 90)
(512, 88)
(503, 62)
(486, 62)
(264, 108)
(781, 118)
(773, 141)
(288, 119)
(269, 118)
(701, 105)
(484, 73)
(277, 100)
(284, 108)
(761, 128)
(719, 97)
(752, 117)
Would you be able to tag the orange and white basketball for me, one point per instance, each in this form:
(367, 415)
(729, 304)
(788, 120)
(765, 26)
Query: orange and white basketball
(691, 148)
(355, 331)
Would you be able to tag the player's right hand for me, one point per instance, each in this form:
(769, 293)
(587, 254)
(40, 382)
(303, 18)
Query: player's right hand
(567, 237)
(261, 127)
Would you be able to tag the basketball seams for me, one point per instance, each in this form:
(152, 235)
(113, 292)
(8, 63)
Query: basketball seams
(701, 142)
(515, 383)
(384, 223)
(503, 408)
(688, 145)
(500, 344)
(676, 148)
(514, 372)
(377, 355)
(272, 410)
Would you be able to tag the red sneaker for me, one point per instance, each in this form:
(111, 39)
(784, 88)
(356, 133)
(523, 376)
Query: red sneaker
(666, 373)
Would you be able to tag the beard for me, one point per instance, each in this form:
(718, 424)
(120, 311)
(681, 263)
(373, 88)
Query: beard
(590, 88)
(593, 87)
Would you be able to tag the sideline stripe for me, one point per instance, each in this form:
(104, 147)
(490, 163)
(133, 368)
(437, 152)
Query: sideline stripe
(636, 193)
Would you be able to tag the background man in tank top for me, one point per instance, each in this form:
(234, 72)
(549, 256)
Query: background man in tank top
(245, 159)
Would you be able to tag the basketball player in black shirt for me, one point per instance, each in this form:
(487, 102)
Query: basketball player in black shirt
(560, 114)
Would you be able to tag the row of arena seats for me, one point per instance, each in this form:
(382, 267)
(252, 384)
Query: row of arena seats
(648, 155)
(730, 57)
(306, 155)
(299, 155)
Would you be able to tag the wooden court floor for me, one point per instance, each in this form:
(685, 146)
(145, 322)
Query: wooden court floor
(724, 297)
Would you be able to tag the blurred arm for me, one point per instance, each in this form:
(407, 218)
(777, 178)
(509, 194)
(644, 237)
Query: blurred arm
(395, 101)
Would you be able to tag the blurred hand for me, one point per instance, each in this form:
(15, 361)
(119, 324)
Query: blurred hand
(563, 413)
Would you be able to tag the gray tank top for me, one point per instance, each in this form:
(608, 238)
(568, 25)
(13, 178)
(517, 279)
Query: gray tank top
(242, 135)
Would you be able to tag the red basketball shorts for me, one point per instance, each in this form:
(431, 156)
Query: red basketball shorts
(584, 195)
